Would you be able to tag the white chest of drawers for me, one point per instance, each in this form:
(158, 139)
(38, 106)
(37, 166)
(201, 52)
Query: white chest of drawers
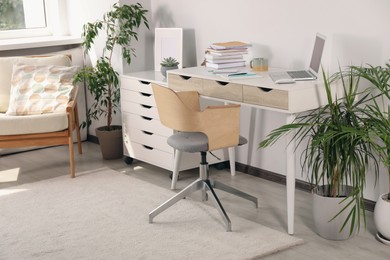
(144, 136)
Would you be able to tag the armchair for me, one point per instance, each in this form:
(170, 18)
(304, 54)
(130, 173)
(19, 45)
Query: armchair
(41, 129)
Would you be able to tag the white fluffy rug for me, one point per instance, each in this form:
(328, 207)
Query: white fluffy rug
(103, 214)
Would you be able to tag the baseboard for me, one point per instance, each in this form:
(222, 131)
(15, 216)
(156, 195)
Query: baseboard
(92, 139)
(281, 179)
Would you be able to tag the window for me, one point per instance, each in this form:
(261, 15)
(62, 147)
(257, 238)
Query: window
(23, 18)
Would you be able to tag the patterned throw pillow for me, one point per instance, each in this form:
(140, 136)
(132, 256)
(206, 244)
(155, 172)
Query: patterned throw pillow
(40, 89)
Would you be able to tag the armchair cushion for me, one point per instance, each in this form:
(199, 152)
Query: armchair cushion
(40, 89)
(17, 125)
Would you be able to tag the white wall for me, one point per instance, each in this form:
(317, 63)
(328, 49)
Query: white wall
(81, 12)
(144, 46)
(283, 31)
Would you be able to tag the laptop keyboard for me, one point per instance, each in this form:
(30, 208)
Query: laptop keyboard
(299, 74)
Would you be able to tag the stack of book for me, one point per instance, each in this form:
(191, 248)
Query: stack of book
(226, 55)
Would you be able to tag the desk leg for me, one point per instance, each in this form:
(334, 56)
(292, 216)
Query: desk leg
(232, 156)
(232, 160)
(290, 177)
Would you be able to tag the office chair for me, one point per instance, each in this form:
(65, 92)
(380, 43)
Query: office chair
(214, 128)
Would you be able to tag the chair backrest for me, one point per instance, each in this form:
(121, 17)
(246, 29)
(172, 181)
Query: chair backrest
(181, 111)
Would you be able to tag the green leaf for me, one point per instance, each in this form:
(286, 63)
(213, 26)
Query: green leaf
(119, 26)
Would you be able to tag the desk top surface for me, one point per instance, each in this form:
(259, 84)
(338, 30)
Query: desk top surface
(150, 75)
(263, 80)
(298, 97)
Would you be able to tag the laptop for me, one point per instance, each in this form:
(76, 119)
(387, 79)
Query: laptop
(311, 73)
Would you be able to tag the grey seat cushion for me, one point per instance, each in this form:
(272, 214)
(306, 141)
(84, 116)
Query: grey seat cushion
(193, 142)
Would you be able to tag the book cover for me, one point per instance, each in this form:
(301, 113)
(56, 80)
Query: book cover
(229, 45)
(225, 60)
(225, 65)
(227, 52)
(212, 57)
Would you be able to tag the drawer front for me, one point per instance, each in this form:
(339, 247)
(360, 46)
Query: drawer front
(139, 109)
(136, 85)
(150, 139)
(265, 97)
(150, 155)
(222, 89)
(144, 123)
(138, 97)
(181, 83)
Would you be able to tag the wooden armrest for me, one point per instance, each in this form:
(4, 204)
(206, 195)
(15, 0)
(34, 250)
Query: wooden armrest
(73, 102)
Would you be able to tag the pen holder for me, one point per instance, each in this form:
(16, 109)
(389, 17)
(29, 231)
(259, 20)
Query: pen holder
(259, 64)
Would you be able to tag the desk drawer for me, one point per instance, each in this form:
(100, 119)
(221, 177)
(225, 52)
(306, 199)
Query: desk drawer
(150, 139)
(150, 155)
(222, 89)
(265, 97)
(183, 83)
(136, 85)
(130, 121)
(138, 97)
(139, 109)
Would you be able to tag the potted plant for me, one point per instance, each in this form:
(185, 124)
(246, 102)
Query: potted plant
(168, 63)
(119, 26)
(379, 120)
(338, 148)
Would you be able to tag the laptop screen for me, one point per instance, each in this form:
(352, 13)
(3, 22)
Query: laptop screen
(317, 53)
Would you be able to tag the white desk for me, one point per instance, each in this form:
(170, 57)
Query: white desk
(261, 93)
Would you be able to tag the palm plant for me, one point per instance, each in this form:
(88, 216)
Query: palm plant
(338, 146)
(120, 27)
(377, 112)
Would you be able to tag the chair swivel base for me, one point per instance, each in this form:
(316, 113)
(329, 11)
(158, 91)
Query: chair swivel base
(206, 185)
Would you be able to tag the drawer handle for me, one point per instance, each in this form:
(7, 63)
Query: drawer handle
(147, 118)
(145, 94)
(148, 147)
(146, 106)
(146, 132)
(185, 77)
(144, 82)
(266, 89)
(222, 83)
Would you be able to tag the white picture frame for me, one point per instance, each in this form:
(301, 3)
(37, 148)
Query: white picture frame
(168, 42)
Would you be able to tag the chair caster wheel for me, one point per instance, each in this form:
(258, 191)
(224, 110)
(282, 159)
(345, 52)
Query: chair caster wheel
(128, 160)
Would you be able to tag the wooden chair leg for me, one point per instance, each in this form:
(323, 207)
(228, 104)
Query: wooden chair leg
(77, 126)
(70, 143)
(71, 158)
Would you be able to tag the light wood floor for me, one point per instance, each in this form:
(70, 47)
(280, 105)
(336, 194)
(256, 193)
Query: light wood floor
(47, 163)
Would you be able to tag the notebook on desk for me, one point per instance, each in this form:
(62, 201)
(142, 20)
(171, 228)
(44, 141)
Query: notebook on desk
(309, 74)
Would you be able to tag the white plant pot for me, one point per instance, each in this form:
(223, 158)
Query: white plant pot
(382, 218)
(325, 208)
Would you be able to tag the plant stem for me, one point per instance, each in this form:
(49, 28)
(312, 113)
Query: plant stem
(335, 182)
(110, 89)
